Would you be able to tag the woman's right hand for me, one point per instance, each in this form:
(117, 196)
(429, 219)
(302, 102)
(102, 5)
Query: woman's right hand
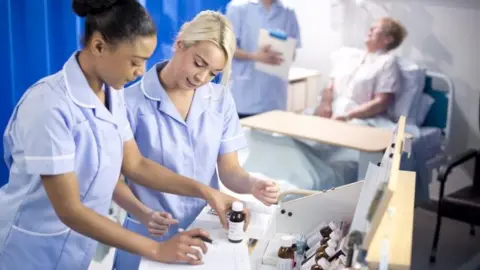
(183, 248)
(324, 110)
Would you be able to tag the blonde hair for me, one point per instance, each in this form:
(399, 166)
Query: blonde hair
(395, 29)
(214, 27)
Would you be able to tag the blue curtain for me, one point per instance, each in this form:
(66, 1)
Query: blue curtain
(38, 36)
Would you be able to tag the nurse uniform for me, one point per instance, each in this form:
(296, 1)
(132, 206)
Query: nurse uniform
(59, 126)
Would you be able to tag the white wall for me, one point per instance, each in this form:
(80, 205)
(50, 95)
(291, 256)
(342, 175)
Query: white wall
(444, 36)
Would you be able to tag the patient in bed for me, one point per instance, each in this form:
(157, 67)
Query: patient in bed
(361, 90)
(363, 83)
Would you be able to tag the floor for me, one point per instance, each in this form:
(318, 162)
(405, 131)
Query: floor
(457, 249)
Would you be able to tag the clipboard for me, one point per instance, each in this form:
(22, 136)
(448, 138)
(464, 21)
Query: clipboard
(279, 42)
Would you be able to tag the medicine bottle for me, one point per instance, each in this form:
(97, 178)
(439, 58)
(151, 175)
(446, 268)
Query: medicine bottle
(321, 248)
(322, 264)
(236, 223)
(327, 254)
(339, 264)
(286, 254)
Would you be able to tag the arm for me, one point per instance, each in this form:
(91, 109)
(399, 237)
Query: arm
(153, 175)
(377, 105)
(324, 109)
(232, 175)
(244, 55)
(235, 178)
(63, 192)
(125, 198)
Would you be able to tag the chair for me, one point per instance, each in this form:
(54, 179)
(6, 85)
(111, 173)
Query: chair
(462, 205)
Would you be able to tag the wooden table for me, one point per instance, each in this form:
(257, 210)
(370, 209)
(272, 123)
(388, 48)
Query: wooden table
(371, 142)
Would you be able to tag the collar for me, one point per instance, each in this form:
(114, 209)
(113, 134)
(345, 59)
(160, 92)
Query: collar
(153, 90)
(77, 85)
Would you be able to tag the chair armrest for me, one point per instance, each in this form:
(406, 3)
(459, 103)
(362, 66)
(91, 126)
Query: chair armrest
(445, 170)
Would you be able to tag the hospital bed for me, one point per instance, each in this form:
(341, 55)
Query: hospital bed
(274, 145)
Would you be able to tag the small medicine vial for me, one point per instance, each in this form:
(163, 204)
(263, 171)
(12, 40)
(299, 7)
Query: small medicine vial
(236, 223)
(286, 253)
(322, 264)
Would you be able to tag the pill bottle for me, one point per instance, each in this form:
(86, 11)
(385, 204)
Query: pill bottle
(236, 223)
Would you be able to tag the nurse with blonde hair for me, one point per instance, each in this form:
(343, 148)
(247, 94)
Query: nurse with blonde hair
(190, 125)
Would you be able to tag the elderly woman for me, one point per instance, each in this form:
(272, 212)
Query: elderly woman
(362, 89)
(363, 84)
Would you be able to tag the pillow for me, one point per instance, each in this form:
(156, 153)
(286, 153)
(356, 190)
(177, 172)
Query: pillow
(426, 102)
(409, 97)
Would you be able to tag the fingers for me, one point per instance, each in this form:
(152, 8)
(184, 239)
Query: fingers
(155, 232)
(189, 258)
(196, 242)
(164, 218)
(197, 232)
(223, 218)
(247, 219)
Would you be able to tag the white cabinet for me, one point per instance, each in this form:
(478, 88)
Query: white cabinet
(303, 89)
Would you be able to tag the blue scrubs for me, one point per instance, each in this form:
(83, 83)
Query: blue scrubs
(59, 126)
(189, 148)
(256, 91)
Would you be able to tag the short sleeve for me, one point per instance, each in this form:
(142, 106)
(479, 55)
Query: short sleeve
(233, 138)
(233, 14)
(388, 79)
(43, 127)
(295, 28)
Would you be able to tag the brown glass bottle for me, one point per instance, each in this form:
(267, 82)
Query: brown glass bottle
(235, 223)
(326, 254)
(286, 253)
(330, 243)
(322, 264)
(327, 230)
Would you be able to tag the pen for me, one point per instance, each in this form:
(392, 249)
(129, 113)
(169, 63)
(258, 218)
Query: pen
(201, 237)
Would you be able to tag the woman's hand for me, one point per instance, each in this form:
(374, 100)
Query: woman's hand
(265, 190)
(158, 222)
(324, 110)
(182, 248)
(222, 204)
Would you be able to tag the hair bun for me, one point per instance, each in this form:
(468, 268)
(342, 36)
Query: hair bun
(85, 7)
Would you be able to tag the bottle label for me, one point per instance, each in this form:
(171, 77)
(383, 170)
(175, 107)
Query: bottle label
(235, 230)
(285, 264)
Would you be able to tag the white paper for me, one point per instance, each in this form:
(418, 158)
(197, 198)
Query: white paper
(221, 255)
(286, 47)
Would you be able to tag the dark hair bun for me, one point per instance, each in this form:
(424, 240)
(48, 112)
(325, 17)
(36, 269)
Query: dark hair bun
(85, 7)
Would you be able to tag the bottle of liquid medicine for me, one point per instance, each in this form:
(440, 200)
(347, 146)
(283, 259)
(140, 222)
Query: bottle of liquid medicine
(236, 223)
(327, 254)
(320, 234)
(319, 248)
(322, 264)
(286, 253)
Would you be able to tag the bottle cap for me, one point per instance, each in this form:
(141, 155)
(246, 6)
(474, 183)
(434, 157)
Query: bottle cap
(332, 243)
(286, 241)
(237, 206)
(333, 226)
(330, 251)
(335, 236)
(323, 263)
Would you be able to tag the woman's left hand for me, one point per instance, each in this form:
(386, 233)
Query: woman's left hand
(265, 190)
